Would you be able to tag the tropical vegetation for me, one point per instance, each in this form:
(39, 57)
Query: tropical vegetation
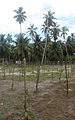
(51, 43)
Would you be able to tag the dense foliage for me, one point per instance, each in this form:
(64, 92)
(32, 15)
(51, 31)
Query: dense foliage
(52, 42)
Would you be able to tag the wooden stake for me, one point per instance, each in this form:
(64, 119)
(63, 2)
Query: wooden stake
(38, 75)
(66, 75)
(25, 101)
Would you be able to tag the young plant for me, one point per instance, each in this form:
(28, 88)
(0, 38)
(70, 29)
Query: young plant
(38, 75)
(4, 70)
(12, 84)
(60, 74)
(26, 95)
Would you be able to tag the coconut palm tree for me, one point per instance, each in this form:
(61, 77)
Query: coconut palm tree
(55, 32)
(21, 48)
(4, 47)
(63, 34)
(9, 38)
(37, 47)
(20, 16)
(32, 31)
(70, 43)
(64, 31)
(4, 50)
(49, 21)
(9, 41)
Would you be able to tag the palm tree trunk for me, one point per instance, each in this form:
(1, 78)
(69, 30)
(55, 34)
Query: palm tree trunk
(61, 54)
(9, 58)
(44, 51)
(67, 52)
(20, 29)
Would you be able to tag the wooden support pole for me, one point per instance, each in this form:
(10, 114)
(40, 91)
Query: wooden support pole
(25, 98)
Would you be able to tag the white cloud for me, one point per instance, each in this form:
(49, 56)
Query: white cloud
(34, 11)
(72, 29)
(63, 7)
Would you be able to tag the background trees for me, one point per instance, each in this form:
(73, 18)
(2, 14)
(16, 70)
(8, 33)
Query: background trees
(4, 47)
(46, 28)
(21, 48)
(32, 31)
(44, 47)
(37, 46)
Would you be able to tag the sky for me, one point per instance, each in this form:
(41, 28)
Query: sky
(64, 12)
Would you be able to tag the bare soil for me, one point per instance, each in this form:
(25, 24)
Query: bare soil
(50, 103)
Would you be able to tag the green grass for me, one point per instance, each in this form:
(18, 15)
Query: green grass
(47, 69)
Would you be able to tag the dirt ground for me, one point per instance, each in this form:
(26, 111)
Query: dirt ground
(50, 103)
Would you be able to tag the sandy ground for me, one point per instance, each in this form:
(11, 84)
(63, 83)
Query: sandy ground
(50, 103)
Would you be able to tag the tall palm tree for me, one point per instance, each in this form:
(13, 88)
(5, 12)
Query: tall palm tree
(32, 31)
(20, 16)
(9, 38)
(57, 44)
(55, 32)
(49, 21)
(63, 34)
(64, 31)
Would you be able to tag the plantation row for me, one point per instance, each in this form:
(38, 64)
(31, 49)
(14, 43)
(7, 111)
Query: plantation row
(54, 72)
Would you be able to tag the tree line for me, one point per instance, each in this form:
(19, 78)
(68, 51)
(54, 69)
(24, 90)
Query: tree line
(50, 44)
